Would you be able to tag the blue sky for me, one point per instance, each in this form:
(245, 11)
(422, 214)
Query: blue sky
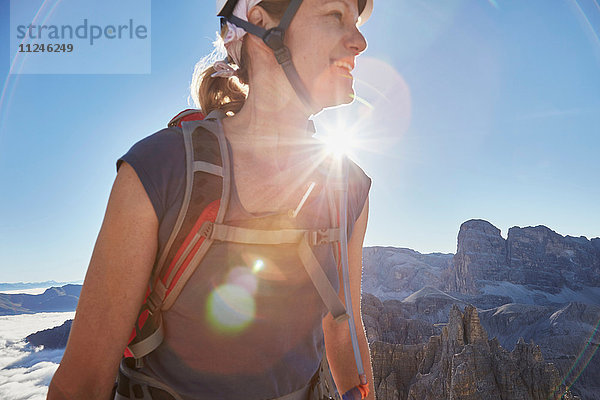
(479, 109)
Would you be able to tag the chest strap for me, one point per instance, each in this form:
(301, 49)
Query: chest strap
(305, 239)
(228, 233)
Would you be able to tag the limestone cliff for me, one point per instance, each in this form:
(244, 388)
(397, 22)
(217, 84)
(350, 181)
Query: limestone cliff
(536, 257)
(462, 364)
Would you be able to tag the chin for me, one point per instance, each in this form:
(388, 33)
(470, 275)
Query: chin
(346, 98)
(337, 97)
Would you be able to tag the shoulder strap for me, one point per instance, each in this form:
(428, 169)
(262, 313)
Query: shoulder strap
(190, 114)
(207, 174)
(362, 389)
(205, 200)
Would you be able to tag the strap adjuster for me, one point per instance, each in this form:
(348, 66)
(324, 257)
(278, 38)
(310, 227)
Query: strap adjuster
(206, 229)
(274, 39)
(283, 55)
(342, 317)
(153, 302)
(320, 236)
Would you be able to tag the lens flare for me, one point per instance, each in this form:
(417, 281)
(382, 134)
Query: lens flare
(377, 118)
(583, 359)
(11, 81)
(243, 278)
(258, 266)
(362, 101)
(340, 141)
(588, 16)
(230, 309)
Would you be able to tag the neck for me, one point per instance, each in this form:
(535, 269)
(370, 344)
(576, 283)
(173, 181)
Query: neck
(270, 126)
(271, 114)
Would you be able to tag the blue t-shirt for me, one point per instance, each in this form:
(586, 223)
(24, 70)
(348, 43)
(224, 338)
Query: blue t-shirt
(248, 322)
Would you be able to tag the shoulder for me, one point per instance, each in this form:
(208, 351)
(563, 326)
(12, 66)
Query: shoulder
(159, 147)
(358, 180)
(159, 162)
(359, 185)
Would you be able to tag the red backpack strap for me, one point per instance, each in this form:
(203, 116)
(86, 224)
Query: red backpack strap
(190, 114)
(205, 201)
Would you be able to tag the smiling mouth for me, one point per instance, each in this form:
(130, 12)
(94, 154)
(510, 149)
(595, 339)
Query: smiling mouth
(344, 65)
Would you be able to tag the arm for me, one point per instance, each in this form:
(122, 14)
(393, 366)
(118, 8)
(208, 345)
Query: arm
(337, 335)
(112, 293)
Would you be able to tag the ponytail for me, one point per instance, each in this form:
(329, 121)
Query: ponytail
(227, 94)
(218, 93)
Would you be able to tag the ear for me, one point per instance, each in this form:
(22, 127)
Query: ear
(259, 17)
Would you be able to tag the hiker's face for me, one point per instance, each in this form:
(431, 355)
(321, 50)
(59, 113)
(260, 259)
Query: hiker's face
(324, 41)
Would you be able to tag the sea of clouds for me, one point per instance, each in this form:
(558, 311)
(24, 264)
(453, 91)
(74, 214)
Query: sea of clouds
(24, 291)
(26, 371)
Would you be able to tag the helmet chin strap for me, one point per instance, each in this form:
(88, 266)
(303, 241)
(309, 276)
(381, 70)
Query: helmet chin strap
(274, 39)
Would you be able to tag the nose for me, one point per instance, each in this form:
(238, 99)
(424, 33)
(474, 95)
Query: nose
(357, 42)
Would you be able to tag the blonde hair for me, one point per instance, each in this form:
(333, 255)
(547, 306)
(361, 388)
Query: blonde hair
(227, 94)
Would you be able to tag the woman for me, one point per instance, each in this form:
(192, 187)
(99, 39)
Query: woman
(276, 167)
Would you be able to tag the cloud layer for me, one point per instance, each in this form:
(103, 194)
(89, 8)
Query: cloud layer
(26, 371)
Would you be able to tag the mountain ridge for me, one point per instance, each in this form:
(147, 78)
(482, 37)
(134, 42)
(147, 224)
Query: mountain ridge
(4, 286)
(536, 284)
(54, 299)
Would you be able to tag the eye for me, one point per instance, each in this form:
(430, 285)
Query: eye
(337, 15)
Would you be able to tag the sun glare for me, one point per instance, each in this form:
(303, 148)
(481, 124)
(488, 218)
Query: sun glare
(339, 140)
(336, 145)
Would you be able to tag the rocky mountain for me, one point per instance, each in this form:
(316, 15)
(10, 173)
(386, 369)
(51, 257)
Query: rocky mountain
(392, 321)
(54, 338)
(461, 363)
(392, 273)
(535, 257)
(536, 284)
(568, 337)
(54, 299)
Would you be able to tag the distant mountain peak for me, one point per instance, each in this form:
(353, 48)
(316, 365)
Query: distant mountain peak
(54, 299)
(534, 256)
(33, 285)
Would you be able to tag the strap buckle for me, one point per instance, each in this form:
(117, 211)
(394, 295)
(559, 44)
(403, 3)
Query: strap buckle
(283, 55)
(206, 229)
(342, 317)
(274, 39)
(153, 302)
(320, 236)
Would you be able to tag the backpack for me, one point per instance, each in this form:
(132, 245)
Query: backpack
(200, 222)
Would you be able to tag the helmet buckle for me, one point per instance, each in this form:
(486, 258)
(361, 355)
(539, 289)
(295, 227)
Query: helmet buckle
(274, 39)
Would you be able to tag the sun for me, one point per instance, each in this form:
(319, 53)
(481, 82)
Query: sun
(337, 145)
(339, 140)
